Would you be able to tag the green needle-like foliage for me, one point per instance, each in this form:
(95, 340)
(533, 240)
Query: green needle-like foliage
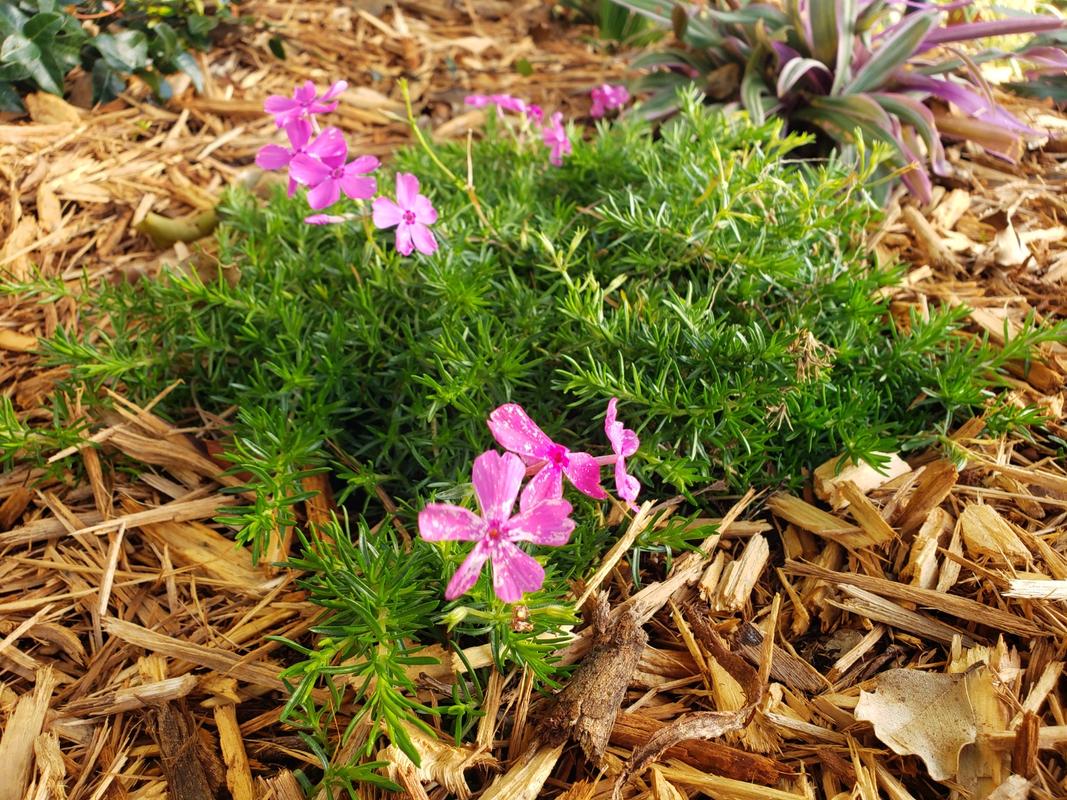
(719, 290)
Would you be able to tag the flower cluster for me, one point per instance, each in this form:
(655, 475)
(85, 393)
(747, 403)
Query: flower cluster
(607, 97)
(553, 134)
(318, 159)
(544, 516)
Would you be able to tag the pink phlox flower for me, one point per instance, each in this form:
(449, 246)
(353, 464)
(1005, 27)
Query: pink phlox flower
(274, 156)
(624, 443)
(509, 103)
(506, 102)
(304, 103)
(496, 481)
(555, 137)
(322, 168)
(513, 429)
(607, 97)
(412, 213)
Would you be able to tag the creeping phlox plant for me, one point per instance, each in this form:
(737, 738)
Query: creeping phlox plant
(544, 516)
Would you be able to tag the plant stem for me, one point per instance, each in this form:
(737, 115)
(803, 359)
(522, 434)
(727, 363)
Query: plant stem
(464, 186)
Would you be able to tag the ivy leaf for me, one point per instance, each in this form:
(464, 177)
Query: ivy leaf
(160, 88)
(42, 28)
(164, 47)
(20, 50)
(125, 51)
(187, 64)
(107, 82)
(9, 98)
(11, 20)
(200, 26)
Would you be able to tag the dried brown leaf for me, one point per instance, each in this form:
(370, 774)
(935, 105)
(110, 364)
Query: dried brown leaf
(921, 713)
(587, 706)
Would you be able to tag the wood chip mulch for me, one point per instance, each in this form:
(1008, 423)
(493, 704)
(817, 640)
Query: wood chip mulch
(898, 636)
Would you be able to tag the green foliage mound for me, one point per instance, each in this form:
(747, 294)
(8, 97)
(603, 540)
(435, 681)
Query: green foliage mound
(719, 290)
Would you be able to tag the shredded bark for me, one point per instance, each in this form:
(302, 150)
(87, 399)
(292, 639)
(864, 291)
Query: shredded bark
(587, 706)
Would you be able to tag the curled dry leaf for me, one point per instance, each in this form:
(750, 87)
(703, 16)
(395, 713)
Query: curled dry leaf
(699, 724)
(925, 714)
(587, 707)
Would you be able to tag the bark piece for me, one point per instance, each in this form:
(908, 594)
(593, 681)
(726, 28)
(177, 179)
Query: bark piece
(180, 755)
(587, 706)
(20, 733)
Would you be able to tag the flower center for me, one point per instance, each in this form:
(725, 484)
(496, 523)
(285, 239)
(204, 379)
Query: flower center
(338, 173)
(557, 454)
(409, 217)
(493, 535)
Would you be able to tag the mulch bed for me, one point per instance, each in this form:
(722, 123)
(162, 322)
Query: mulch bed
(133, 652)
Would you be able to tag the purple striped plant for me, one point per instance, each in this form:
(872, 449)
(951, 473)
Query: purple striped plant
(890, 70)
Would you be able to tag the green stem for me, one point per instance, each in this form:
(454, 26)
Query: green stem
(463, 186)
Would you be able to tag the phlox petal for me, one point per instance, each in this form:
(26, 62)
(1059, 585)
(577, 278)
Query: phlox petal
(477, 100)
(318, 107)
(404, 244)
(407, 189)
(324, 219)
(584, 473)
(304, 93)
(547, 484)
(424, 210)
(299, 133)
(334, 91)
(424, 239)
(514, 573)
(510, 103)
(273, 156)
(598, 108)
(496, 480)
(324, 194)
(358, 187)
(363, 164)
(277, 104)
(547, 523)
(611, 416)
(467, 574)
(283, 108)
(307, 170)
(623, 440)
(387, 213)
(513, 429)
(626, 486)
(441, 521)
(329, 147)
